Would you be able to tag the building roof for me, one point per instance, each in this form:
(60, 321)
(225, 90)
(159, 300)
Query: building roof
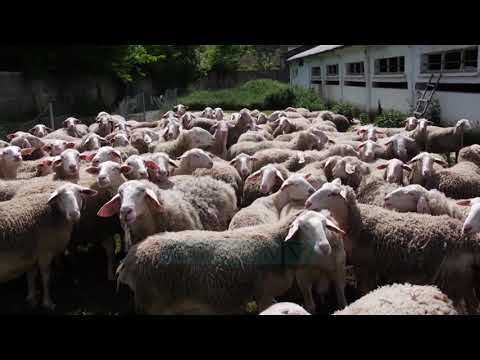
(316, 50)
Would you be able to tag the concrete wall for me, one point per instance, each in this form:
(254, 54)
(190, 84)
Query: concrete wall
(392, 91)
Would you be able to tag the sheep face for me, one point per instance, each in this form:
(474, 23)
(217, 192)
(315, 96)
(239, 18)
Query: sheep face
(220, 129)
(462, 124)
(120, 139)
(159, 167)
(244, 164)
(16, 134)
(297, 187)
(268, 176)
(69, 161)
(40, 130)
(11, 156)
(138, 170)
(207, 113)
(133, 200)
(172, 130)
(109, 173)
(367, 150)
(313, 228)
(180, 109)
(394, 171)
(93, 142)
(426, 161)
(411, 123)
(218, 114)
(70, 123)
(46, 166)
(69, 200)
(331, 196)
(350, 170)
(56, 147)
(196, 159)
(410, 198)
(472, 222)
(400, 145)
(106, 153)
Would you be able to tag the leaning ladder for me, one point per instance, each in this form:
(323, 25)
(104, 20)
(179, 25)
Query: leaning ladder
(425, 100)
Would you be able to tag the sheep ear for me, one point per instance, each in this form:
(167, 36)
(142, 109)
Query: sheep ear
(70, 145)
(153, 199)
(383, 166)
(332, 226)
(87, 191)
(92, 170)
(441, 162)
(331, 141)
(11, 136)
(110, 208)
(116, 154)
(125, 169)
(31, 130)
(464, 202)
(233, 161)
(52, 197)
(26, 151)
(343, 193)
(48, 129)
(406, 167)
(150, 164)
(88, 157)
(171, 162)
(422, 206)
(255, 175)
(57, 162)
(147, 139)
(350, 169)
(292, 231)
(360, 146)
(279, 175)
(307, 176)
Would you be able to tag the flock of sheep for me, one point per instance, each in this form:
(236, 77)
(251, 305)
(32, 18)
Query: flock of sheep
(223, 214)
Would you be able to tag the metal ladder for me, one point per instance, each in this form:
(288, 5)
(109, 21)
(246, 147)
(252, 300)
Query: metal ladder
(424, 101)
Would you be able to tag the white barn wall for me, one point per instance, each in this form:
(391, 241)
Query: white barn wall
(454, 105)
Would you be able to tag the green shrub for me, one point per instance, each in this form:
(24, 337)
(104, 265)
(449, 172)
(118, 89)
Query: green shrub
(344, 109)
(364, 118)
(390, 119)
(307, 98)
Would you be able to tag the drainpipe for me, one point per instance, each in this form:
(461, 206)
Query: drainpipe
(368, 79)
(341, 77)
(411, 69)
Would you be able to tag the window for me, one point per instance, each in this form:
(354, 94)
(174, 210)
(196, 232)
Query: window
(451, 61)
(332, 70)
(316, 71)
(300, 62)
(355, 68)
(393, 65)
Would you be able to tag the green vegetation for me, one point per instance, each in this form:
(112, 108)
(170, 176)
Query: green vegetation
(390, 118)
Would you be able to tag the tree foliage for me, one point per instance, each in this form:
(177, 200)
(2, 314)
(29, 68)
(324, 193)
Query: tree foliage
(221, 58)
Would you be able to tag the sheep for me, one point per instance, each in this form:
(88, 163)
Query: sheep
(188, 139)
(314, 173)
(220, 272)
(267, 209)
(410, 123)
(286, 125)
(243, 123)
(402, 299)
(220, 134)
(10, 159)
(40, 130)
(394, 171)
(105, 153)
(197, 203)
(341, 122)
(142, 139)
(137, 168)
(423, 167)
(262, 118)
(470, 153)
(255, 136)
(399, 146)
(373, 190)
(109, 175)
(172, 129)
(61, 134)
(74, 127)
(159, 166)
(471, 223)
(243, 163)
(34, 229)
(3, 144)
(369, 133)
(180, 109)
(263, 182)
(447, 140)
(55, 147)
(28, 141)
(103, 125)
(67, 165)
(406, 247)
(415, 198)
(285, 308)
(218, 114)
(207, 113)
(192, 160)
(368, 150)
(419, 134)
(351, 171)
(91, 142)
(306, 140)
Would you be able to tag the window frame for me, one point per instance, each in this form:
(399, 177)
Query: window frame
(357, 74)
(313, 76)
(424, 68)
(337, 70)
(377, 65)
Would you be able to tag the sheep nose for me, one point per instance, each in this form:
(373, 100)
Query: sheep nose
(324, 249)
(125, 211)
(102, 178)
(467, 228)
(18, 157)
(95, 162)
(311, 191)
(143, 174)
(73, 167)
(308, 204)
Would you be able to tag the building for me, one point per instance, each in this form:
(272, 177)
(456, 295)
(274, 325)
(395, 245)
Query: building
(389, 76)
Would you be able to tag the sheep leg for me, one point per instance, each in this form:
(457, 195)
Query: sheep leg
(45, 270)
(449, 160)
(32, 296)
(109, 247)
(471, 302)
(339, 283)
(305, 286)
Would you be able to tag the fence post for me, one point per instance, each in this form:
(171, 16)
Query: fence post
(52, 119)
(144, 108)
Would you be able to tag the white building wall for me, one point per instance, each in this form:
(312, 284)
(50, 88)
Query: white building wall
(454, 105)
